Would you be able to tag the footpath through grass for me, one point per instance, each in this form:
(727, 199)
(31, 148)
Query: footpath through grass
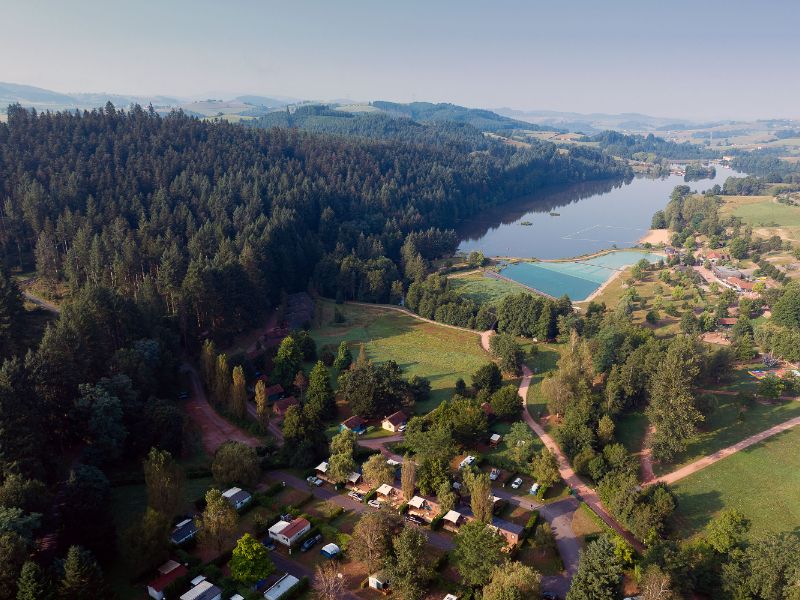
(762, 481)
(440, 353)
(723, 428)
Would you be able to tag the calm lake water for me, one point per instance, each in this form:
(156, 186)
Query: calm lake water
(592, 216)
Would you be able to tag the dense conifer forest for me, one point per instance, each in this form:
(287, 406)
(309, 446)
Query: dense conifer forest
(216, 220)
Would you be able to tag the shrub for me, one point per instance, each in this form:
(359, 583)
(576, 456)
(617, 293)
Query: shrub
(403, 508)
(370, 495)
(436, 524)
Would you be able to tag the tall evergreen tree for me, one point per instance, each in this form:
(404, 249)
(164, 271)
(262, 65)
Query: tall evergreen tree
(82, 576)
(599, 572)
(11, 315)
(320, 399)
(34, 584)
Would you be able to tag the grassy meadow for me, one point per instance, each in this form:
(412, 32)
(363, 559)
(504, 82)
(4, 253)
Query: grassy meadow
(762, 481)
(440, 353)
(723, 428)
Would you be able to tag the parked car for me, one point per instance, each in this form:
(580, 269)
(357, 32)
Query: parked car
(287, 517)
(534, 489)
(494, 474)
(401, 429)
(311, 542)
(313, 480)
(374, 503)
(415, 519)
(516, 483)
(356, 496)
(467, 462)
(268, 543)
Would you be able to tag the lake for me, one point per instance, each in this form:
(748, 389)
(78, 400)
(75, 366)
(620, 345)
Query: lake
(592, 217)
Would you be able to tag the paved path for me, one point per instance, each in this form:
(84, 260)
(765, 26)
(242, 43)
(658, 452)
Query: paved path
(725, 452)
(436, 539)
(214, 429)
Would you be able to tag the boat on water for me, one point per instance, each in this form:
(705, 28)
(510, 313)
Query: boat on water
(555, 214)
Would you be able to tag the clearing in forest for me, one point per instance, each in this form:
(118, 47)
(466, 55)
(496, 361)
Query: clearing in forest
(440, 353)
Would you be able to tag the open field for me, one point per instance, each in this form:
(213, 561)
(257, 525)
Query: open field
(723, 428)
(761, 211)
(476, 286)
(630, 430)
(762, 481)
(442, 354)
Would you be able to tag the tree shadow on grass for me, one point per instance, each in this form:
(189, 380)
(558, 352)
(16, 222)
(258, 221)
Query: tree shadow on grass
(694, 512)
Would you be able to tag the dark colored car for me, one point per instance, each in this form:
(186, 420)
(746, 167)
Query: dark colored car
(310, 543)
(415, 519)
(268, 543)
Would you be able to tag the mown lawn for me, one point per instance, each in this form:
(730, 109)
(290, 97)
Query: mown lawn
(441, 354)
(762, 481)
(545, 361)
(761, 211)
(723, 428)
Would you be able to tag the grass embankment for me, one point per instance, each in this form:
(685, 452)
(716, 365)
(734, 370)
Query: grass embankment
(762, 481)
(480, 288)
(441, 354)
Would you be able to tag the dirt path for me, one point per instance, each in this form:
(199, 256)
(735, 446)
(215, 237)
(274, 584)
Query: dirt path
(41, 303)
(214, 429)
(646, 456)
(584, 492)
(725, 452)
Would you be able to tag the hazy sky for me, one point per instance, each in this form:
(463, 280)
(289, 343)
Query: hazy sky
(705, 59)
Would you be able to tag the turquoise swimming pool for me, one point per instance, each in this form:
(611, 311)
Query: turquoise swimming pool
(578, 278)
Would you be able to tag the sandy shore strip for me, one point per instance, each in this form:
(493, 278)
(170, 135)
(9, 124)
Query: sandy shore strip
(603, 286)
(656, 237)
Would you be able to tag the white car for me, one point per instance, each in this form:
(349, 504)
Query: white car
(401, 429)
(356, 496)
(494, 474)
(534, 489)
(374, 504)
(516, 483)
(467, 462)
(314, 480)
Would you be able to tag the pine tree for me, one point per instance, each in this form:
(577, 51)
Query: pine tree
(343, 357)
(33, 583)
(320, 399)
(82, 576)
(262, 403)
(238, 403)
(11, 312)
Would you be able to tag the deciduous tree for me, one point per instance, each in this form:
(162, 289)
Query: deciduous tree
(512, 581)
(479, 549)
(217, 524)
(235, 462)
(250, 561)
(165, 482)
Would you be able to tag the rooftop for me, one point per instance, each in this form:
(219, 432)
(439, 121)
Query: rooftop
(354, 422)
(397, 418)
